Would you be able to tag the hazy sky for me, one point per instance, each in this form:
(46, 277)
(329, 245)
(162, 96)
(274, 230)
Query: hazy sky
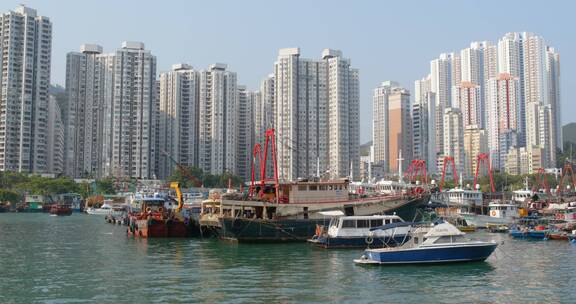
(386, 40)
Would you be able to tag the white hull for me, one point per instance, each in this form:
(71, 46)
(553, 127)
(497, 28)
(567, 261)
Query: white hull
(103, 212)
(482, 221)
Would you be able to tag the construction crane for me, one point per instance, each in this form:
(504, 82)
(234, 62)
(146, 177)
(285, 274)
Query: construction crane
(176, 187)
(184, 170)
(448, 159)
(484, 158)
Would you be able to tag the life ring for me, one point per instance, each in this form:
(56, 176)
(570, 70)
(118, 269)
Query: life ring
(493, 212)
(369, 240)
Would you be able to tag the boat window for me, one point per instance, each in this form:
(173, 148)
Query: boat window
(443, 240)
(323, 188)
(376, 223)
(349, 224)
(330, 187)
(302, 187)
(362, 224)
(459, 239)
(313, 187)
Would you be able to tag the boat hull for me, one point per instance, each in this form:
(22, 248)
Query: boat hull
(483, 221)
(357, 242)
(300, 230)
(153, 228)
(530, 234)
(261, 230)
(448, 254)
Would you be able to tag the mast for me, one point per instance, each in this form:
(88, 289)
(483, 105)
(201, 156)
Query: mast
(400, 159)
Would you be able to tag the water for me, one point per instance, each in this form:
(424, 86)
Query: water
(81, 259)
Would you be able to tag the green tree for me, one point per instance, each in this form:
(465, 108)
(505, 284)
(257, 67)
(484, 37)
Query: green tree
(10, 196)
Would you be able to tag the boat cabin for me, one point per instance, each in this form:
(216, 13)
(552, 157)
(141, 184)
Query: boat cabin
(503, 210)
(151, 204)
(314, 191)
(521, 196)
(347, 226)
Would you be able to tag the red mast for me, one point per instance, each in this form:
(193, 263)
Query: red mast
(417, 169)
(448, 159)
(567, 168)
(541, 181)
(484, 158)
(270, 139)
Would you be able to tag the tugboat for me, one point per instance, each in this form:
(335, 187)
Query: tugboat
(60, 210)
(442, 243)
(360, 231)
(156, 220)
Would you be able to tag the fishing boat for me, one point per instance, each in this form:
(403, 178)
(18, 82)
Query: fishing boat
(360, 231)
(442, 243)
(498, 214)
(155, 221)
(294, 214)
(495, 228)
(105, 209)
(61, 209)
(289, 211)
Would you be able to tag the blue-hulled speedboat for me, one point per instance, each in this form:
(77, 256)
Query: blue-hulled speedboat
(361, 231)
(441, 243)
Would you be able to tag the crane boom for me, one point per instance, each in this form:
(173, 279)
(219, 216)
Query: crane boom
(184, 170)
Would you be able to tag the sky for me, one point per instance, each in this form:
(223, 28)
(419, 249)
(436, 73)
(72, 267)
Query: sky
(386, 40)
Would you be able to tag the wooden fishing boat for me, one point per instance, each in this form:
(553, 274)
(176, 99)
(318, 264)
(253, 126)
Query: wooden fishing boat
(61, 209)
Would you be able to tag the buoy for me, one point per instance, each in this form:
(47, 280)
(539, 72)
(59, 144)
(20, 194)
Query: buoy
(369, 240)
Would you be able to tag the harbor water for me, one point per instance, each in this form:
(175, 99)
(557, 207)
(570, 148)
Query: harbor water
(79, 258)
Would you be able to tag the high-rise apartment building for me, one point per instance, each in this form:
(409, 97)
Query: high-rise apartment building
(454, 137)
(475, 142)
(86, 86)
(392, 125)
(306, 93)
(55, 137)
(178, 119)
(502, 125)
(467, 97)
(246, 137)
(25, 45)
(217, 124)
(129, 130)
(511, 90)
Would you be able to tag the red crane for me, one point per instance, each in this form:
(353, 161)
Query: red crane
(484, 158)
(270, 141)
(448, 159)
(417, 169)
(541, 181)
(567, 168)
